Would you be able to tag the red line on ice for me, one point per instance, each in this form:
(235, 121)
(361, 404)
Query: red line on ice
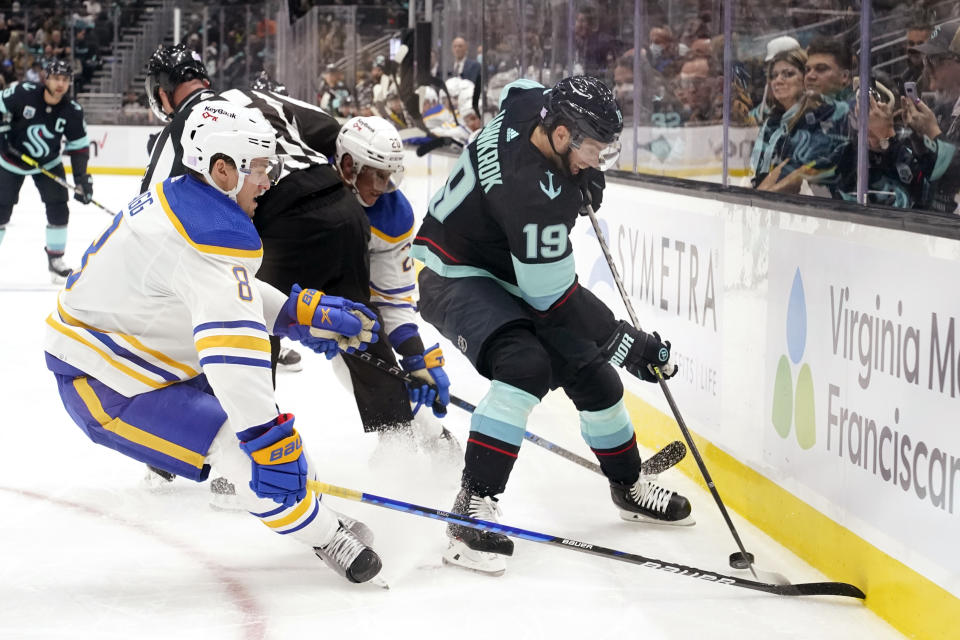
(254, 624)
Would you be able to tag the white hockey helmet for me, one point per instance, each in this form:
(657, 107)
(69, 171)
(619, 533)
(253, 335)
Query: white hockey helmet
(372, 142)
(219, 127)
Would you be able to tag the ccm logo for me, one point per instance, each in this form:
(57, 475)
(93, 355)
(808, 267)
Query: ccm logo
(286, 450)
(622, 350)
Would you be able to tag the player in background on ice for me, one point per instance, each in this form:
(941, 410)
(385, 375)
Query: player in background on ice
(33, 121)
(313, 230)
(159, 341)
(370, 161)
(500, 282)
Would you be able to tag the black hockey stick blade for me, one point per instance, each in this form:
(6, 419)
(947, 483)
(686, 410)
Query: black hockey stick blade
(803, 589)
(665, 458)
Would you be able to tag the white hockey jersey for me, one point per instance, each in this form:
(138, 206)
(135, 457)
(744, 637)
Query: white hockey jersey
(168, 292)
(393, 278)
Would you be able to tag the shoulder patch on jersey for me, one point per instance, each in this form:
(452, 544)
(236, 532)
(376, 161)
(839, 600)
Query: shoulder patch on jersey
(391, 217)
(208, 220)
(29, 112)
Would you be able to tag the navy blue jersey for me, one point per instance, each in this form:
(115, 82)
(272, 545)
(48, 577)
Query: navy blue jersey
(33, 127)
(506, 213)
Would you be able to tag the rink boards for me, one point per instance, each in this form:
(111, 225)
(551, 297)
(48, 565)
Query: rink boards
(819, 370)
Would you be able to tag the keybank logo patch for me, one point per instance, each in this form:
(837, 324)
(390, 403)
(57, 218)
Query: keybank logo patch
(793, 406)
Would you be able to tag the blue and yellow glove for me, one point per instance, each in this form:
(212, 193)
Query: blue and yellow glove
(326, 324)
(279, 468)
(436, 388)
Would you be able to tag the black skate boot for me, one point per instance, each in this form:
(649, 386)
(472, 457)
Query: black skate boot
(646, 501)
(289, 360)
(481, 551)
(349, 557)
(59, 271)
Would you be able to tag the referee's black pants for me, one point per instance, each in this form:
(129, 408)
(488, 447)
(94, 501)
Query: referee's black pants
(316, 234)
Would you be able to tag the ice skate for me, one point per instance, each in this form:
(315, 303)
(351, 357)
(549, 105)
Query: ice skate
(59, 271)
(434, 438)
(157, 479)
(473, 549)
(646, 501)
(289, 360)
(349, 556)
(223, 496)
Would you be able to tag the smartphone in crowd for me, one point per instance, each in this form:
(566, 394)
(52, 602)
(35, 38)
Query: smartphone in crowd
(910, 89)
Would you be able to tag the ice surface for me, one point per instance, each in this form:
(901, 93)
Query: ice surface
(88, 552)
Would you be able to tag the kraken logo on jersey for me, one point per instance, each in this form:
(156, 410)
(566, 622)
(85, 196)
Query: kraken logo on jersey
(35, 144)
(488, 154)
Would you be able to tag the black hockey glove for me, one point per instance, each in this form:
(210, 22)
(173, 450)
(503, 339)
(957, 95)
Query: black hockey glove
(592, 184)
(639, 352)
(84, 192)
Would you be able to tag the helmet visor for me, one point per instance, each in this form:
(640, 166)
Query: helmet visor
(383, 179)
(597, 154)
(265, 171)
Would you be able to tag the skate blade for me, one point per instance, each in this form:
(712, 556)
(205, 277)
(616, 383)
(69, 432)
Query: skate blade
(377, 581)
(630, 516)
(290, 368)
(225, 503)
(460, 555)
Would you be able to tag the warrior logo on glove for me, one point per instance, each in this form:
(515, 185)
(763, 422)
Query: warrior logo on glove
(643, 355)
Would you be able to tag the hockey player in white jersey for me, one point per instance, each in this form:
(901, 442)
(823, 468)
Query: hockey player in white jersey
(159, 342)
(370, 161)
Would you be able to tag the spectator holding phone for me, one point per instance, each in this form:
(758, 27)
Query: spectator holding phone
(939, 128)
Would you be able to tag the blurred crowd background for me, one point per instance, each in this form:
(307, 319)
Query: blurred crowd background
(774, 82)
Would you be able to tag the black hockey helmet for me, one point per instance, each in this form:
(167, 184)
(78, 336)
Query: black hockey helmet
(57, 67)
(169, 67)
(586, 106)
(263, 82)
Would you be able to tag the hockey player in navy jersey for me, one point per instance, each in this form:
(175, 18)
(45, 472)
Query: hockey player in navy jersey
(370, 161)
(500, 282)
(33, 121)
(159, 342)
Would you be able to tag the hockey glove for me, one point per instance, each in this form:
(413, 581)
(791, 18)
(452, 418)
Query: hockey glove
(435, 390)
(279, 470)
(639, 352)
(326, 324)
(84, 190)
(592, 184)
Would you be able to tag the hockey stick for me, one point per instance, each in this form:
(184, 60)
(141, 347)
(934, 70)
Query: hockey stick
(803, 589)
(745, 559)
(659, 462)
(63, 183)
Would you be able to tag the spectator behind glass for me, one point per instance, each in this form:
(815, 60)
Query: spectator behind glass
(829, 69)
(917, 35)
(784, 91)
(593, 51)
(808, 140)
(697, 89)
(939, 128)
(662, 52)
(463, 66)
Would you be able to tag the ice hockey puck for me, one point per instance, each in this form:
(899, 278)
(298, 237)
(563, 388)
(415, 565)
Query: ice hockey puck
(739, 561)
